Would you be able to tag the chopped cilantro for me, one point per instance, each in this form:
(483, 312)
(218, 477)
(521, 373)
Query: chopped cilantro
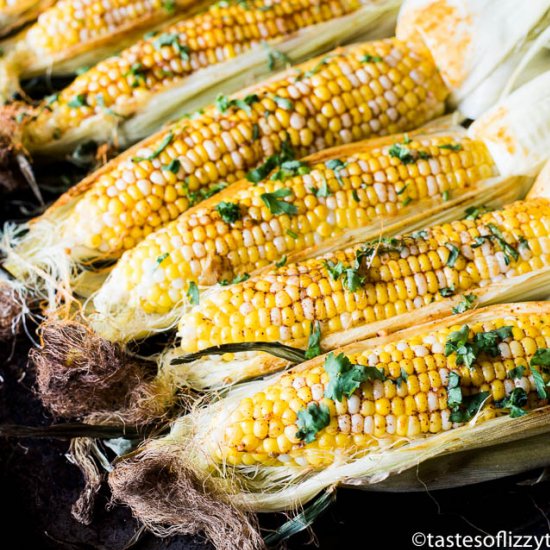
(172, 39)
(291, 168)
(465, 304)
(474, 212)
(402, 378)
(275, 203)
(345, 377)
(80, 100)
(314, 341)
(162, 146)
(193, 294)
(223, 103)
(292, 234)
(541, 358)
(467, 350)
(276, 59)
(470, 406)
(405, 154)
(447, 291)
(322, 191)
(229, 212)
(162, 257)
(311, 420)
(173, 167)
(281, 262)
(515, 402)
(516, 373)
(454, 254)
(451, 146)
(261, 172)
(283, 103)
(367, 58)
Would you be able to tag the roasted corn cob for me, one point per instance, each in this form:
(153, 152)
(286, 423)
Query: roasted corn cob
(128, 97)
(72, 34)
(14, 13)
(325, 102)
(352, 417)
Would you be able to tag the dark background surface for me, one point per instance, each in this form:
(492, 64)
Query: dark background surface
(38, 486)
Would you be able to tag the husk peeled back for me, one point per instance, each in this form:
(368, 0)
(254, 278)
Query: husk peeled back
(282, 488)
(375, 19)
(479, 45)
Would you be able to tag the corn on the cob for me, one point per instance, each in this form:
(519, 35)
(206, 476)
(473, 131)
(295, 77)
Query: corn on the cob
(15, 13)
(325, 102)
(71, 34)
(247, 228)
(162, 73)
(374, 409)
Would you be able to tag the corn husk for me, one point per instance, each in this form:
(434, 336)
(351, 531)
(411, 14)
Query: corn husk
(481, 46)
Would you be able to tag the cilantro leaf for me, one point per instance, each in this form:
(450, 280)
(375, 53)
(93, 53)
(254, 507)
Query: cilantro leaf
(223, 103)
(314, 341)
(541, 358)
(447, 291)
(80, 100)
(311, 420)
(173, 167)
(193, 294)
(367, 58)
(454, 254)
(162, 146)
(229, 212)
(516, 372)
(465, 304)
(162, 257)
(402, 378)
(457, 342)
(470, 406)
(515, 402)
(291, 168)
(540, 385)
(474, 212)
(451, 146)
(275, 203)
(281, 262)
(345, 377)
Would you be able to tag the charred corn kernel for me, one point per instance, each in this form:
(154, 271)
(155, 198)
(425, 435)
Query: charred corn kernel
(120, 85)
(479, 242)
(241, 138)
(385, 418)
(258, 224)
